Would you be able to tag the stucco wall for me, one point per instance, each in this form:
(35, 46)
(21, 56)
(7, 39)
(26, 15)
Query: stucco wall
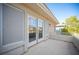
(46, 30)
(76, 40)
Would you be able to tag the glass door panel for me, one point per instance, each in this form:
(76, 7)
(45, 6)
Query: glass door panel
(32, 29)
(40, 29)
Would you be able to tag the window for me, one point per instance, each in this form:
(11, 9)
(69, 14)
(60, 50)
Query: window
(13, 24)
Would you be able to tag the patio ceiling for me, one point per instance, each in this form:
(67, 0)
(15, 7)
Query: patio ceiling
(42, 10)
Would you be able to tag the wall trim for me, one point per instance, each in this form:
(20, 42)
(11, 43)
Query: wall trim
(11, 46)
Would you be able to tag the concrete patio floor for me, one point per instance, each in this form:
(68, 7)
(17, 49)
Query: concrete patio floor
(53, 47)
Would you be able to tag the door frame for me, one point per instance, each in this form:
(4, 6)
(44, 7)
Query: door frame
(41, 39)
(29, 44)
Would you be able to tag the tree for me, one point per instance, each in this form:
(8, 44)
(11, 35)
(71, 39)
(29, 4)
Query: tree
(72, 24)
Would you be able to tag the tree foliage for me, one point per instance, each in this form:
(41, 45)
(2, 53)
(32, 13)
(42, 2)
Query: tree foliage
(72, 24)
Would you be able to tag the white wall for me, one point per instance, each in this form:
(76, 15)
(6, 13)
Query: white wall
(46, 30)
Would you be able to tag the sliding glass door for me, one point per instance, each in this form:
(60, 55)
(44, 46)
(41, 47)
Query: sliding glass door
(32, 30)
(35, 30)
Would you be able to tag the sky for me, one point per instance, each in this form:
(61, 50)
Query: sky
(64, 10)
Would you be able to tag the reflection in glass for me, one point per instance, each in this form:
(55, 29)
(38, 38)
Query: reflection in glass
(32, 29)
(40, 28)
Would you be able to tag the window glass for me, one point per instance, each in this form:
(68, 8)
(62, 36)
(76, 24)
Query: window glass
(13, 24)
(32, 29)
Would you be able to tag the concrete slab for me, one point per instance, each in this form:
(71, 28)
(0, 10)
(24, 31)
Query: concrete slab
(53, 47)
